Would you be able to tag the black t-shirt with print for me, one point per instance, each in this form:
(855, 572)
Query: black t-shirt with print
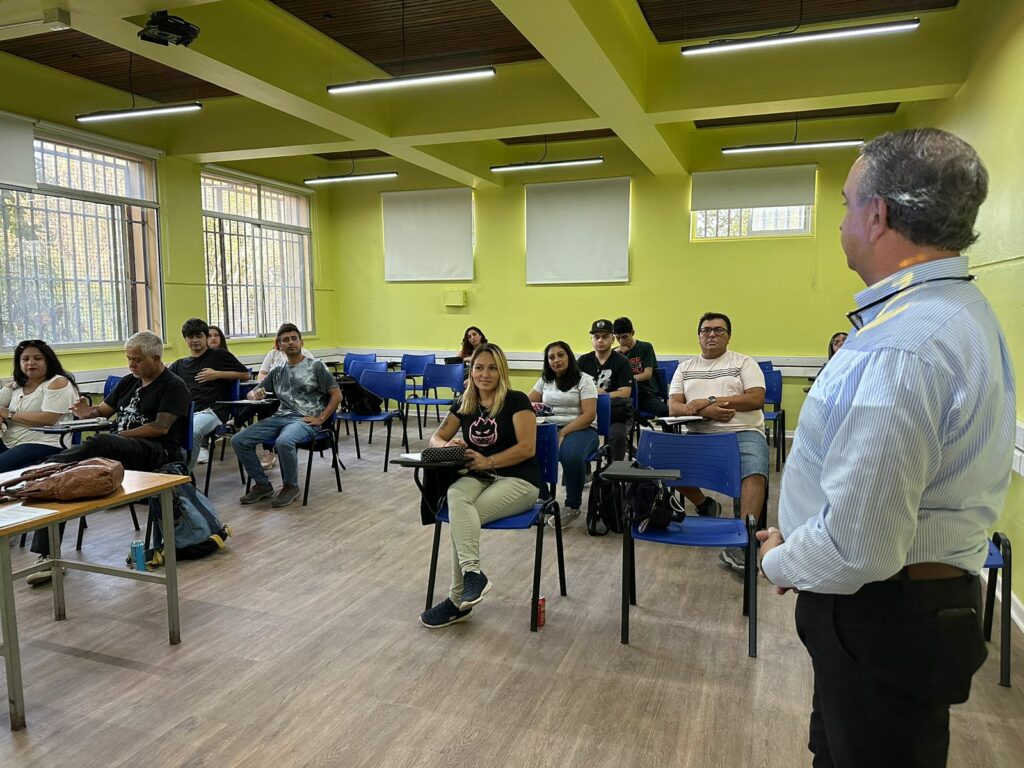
(137, 405)
(615, 373)
(206, 393)
(489, 435)
(642, 356)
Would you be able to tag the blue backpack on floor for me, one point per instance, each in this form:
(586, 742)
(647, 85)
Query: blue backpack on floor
(197, 531)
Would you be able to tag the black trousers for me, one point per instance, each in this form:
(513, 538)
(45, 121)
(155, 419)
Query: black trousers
(650, 403)
(888, 662)
(134, 453)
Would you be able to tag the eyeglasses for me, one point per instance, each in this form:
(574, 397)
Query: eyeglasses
(710, 331)
(856, 317)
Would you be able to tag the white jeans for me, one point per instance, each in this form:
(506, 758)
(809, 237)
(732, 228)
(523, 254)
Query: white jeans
(203, 423)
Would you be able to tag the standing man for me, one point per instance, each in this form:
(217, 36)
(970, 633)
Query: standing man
(208, 374)
(612, 374)
(308, 395)
(900, 464)
(727, 389)
(643, 362)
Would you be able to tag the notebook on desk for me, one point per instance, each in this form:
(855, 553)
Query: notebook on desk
(679, 419)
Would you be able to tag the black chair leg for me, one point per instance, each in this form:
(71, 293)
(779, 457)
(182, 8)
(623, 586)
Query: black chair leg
(355, 432)
(750, 589)
(149, 530)
(536, 574)
(433, 565)
(135, 519)
(82, 525)
(209, 464)
(21, 543)
(560, 553)
(627, 573)
(309, 473)
(419, 422)
(405, 427)
(1004, 612)
(387, 446)
(990, 601)
(336, 462)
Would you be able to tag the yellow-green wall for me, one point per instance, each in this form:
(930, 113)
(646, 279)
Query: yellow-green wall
(989, 113)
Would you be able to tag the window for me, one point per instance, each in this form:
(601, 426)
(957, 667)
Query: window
(722, 223)
(257, 243)
(78, 257)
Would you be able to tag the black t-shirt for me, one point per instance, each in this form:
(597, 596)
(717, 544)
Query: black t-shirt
(206, 393)
(615, 373)
(642, 356)
(489, 435)
(137, 405)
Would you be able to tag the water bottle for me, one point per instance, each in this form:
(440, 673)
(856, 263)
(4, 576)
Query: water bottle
(139, 554)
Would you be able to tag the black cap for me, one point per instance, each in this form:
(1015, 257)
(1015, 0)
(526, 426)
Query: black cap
(601, 326)
(622, 325)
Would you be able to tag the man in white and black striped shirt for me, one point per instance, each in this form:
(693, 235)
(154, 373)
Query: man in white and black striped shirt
(900, 464)
(726, 388)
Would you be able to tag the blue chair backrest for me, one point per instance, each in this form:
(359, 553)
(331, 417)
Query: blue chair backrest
(663, 381)
(773, 389)
(604, 413)
(356, 368)
(704, 461)
(547, 453)
(451, 377)
(413, 365)
(765, 365)
(188, 435)
(352, 357)
(669, 366)
(110, 385)
(236, 390)
(388, 385)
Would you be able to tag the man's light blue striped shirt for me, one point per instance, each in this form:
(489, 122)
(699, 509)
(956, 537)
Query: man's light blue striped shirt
(903, 450)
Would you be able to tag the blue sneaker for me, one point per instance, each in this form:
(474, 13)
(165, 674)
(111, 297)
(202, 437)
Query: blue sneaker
(474, 586)
(443, 615)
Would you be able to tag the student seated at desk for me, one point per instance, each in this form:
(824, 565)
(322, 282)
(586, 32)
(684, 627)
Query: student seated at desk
(217, 338)
(499, 432)
(151, 407)
(40, 395)
(308, 394)
(471, 341)
(572, 397)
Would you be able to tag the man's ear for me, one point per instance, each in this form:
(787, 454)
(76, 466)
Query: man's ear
(878, 221)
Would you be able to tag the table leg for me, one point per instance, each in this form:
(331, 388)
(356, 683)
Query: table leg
(57, 573)
(170, 566)
(12, 656)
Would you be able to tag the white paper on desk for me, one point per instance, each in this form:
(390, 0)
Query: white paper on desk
(412, 456)
(264, 401)
(98, 422)
(678, 419)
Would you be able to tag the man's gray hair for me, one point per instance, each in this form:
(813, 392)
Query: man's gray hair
(933, 183)
(146, 342)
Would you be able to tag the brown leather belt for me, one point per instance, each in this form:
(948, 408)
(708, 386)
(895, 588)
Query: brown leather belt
(928, 572)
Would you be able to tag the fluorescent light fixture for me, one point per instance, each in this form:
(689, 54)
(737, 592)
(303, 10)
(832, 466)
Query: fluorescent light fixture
(546, 164)
(792, 145)
(351, 177)
(740, 44)
(122, 114)
(409, 80)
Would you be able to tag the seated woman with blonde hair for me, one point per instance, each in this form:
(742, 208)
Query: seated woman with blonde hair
(497, 427)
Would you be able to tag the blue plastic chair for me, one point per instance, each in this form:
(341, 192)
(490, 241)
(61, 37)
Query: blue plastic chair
(669, 366)
(110, 385)
(547, 457)
(352, 357)
(437, 377)
(1000, 556)
(765, 365)
(387, 385)
(414, 366)
(777, 416)
(709, 461)
(356, 367)
(324, 437)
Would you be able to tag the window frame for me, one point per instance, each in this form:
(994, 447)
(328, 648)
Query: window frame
(260, 224)
(145, 295)
(770, 234)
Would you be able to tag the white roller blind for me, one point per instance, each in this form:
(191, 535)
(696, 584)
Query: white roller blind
(17, 156)
(428, 235)
(578, 232)
(753, 188)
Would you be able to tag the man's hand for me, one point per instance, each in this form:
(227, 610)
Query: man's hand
(257, 393)
(770, 539)
(207, 374)
(717, 412)
(81, 408)
(313, 421)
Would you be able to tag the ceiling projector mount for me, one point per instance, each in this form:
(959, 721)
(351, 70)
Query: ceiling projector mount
(164, 29)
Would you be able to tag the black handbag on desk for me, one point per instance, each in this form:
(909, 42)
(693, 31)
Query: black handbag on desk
(450, 454)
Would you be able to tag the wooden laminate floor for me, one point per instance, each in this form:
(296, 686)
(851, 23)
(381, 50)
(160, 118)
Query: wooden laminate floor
(302, 647)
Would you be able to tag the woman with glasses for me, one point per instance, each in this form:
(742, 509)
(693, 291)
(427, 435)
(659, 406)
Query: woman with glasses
(40, 395)
(572, 397)
(496, 426)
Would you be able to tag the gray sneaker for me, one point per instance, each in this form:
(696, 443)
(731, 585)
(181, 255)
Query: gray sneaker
(258, 492)
(286, 496)
(568, 514)
(41, 577)
(709, 508)
(735, 558)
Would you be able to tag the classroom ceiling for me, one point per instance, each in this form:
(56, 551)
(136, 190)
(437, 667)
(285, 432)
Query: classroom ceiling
(588, 76)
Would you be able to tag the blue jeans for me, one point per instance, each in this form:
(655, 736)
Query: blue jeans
(288, 431)
(572, 455)
(203, 423)
(24, 455)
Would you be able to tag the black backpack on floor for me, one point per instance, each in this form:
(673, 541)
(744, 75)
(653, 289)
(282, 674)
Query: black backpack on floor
(601, 515)
(357, 399)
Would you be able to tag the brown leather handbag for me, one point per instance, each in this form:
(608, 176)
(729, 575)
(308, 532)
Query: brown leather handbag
(87, 479)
